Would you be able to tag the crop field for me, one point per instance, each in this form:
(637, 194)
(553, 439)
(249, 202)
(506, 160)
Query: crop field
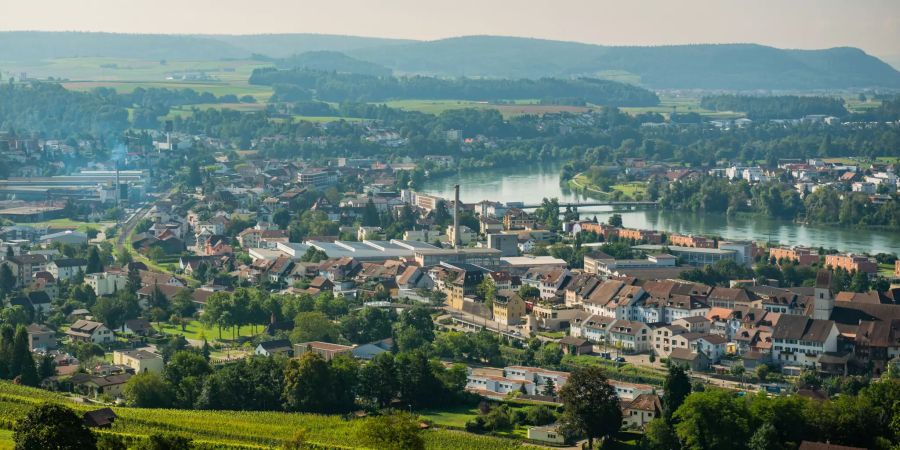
(126, 75)
(517, 108)
(233, 429)
(683, 105)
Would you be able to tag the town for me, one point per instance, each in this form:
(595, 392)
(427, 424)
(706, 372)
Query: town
(227, 242)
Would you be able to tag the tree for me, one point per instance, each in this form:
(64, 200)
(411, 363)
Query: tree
(166, 441)
(94, 264)
(676, 387)
(549, 388)
(615, 220)
(370, 215)
(712, 419)
(7, 280)
(313, 326)
(414, 330)
(22, 362)
(591, 404)
(134, 280)
(765, 438)
(659, 435)
(52, 426)
(308, 384)
(416, 380)
(393, 431)
(762, 373)
(185, 372)
(282, 218)
(148, 390)
(859, 282)
(378, 380)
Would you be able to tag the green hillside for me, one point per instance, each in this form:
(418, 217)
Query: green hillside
(231, 429)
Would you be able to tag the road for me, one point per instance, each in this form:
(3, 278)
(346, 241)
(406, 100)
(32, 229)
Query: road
(135, 219)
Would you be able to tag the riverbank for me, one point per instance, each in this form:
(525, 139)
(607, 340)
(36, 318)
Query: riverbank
(530, 183)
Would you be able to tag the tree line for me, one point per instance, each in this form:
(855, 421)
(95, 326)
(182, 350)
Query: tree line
(339, 87)
(775, 106)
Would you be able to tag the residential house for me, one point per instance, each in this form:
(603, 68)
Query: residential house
(40, 337)
(508, 308)
(640, 411)
(276, 347)
(64, 269)
(139, 361)
(800, 340)
(90, 332)
(107, 283)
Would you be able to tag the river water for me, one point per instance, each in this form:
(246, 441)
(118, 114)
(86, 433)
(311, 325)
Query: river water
(531, 183)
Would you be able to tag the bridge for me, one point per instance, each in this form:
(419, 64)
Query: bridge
(593, 203)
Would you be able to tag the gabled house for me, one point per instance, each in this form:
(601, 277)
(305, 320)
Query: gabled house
(90, 332)
(276, 347)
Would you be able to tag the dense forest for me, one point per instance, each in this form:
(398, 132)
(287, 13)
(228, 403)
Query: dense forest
(339, 87)
(775, 107)
(52, 110)
(331, 61)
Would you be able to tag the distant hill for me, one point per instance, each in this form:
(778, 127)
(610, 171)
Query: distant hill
(331, 61)
(723, 66)
(741, 67)
(40, 45)
(285, 45)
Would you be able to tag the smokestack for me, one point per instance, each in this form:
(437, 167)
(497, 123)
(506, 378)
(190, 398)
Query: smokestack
(118, 189)
(456, 218)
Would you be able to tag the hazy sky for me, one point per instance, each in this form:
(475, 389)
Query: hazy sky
(873, 25)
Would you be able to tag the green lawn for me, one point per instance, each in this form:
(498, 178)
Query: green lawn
(455, 417)
(630, 189)
(196, 330)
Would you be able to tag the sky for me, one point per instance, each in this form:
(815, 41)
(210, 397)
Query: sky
(872, 25)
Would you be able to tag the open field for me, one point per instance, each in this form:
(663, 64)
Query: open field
(125, 75)
(234, 429)
(517, 108)
(682, 105)
(630, 189)
(198, 331)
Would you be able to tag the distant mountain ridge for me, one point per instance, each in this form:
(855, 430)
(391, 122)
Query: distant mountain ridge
(740, 67)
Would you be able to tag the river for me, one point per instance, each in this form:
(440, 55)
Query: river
(532, 183)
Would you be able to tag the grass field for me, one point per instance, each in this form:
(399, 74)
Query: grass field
(196, 330)
(682, 105)
(630, 189)
(234, 429)
(125, 75)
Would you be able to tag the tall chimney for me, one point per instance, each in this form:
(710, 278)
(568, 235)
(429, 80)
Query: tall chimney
(118, 190)
(456, 218)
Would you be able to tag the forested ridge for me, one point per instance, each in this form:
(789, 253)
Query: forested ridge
(338, 87)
